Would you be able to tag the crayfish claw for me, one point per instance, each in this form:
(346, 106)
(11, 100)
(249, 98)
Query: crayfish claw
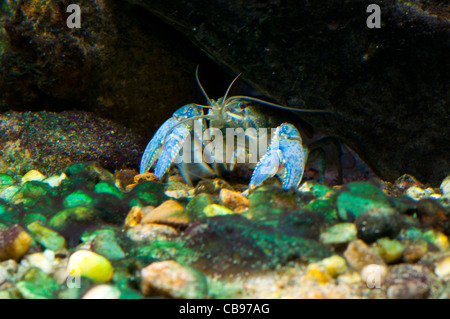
(285, 158)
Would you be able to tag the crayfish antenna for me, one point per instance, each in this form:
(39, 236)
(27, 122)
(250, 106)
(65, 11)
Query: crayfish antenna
(201, 86)
(254, 99)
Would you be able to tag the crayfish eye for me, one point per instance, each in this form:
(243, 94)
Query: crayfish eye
(242, 105)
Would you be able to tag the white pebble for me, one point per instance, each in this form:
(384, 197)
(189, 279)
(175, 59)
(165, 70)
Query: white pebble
(102, 292)
(374, 275)
(445, 186)
(443, 268)
(416, 193)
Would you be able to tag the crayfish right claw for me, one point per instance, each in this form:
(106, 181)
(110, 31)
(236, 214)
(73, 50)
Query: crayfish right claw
(165, 145)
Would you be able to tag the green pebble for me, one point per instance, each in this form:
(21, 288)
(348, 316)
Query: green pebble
(136, 202)
(105, 244)
(34, 217)
(6, 180)
(103, 187)
(412, 233)
(71, 215)
(339, 234)
(37, 285)
(197, 204)
(391, 249)
(8, 193)
(34, 189)
(46, 237)
(149, 199)
(324, 206)
(77, 198)
(359, 198)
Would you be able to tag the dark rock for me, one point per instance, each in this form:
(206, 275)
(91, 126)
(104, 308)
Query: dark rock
(388, 88)
(49, 142)
(123, 63)
(378, 223)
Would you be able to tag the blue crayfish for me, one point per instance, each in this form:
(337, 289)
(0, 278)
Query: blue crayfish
(193, 141)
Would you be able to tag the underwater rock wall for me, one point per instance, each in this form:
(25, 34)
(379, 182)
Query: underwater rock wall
(388, 88)
(122, 64)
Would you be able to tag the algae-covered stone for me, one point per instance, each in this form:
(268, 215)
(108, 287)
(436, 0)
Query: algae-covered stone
(105, 243)
(33, 217)
(359, 197)
(77, 198)
(73, 215)
(92, 169)
(437, 238)
(148, 193)
(14, 242)
(8, 193)
(6, 180)
(198, 203)
(103, 187)
(171, 279)
(326, 206)
(46, 237)
(316, 189)
(32, 189)
(91, 265)
(37, 285)
(339, 234)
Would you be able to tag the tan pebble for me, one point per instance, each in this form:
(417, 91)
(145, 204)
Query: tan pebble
(232, 199)
(133, 218)
(358, 255)
(14, 243)
(124, 177)
(442, 269)
(130, 187)
(151, 232)
(146, 177)
(350, 278)
(241, 209)
(38, 260)
(171, 279)
(374, 275)
(168, 213)
(415, 250)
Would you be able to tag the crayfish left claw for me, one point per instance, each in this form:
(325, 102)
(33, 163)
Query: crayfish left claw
(285, 157)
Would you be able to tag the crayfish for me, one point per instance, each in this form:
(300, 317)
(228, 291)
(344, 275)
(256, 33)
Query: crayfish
(192, 139)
